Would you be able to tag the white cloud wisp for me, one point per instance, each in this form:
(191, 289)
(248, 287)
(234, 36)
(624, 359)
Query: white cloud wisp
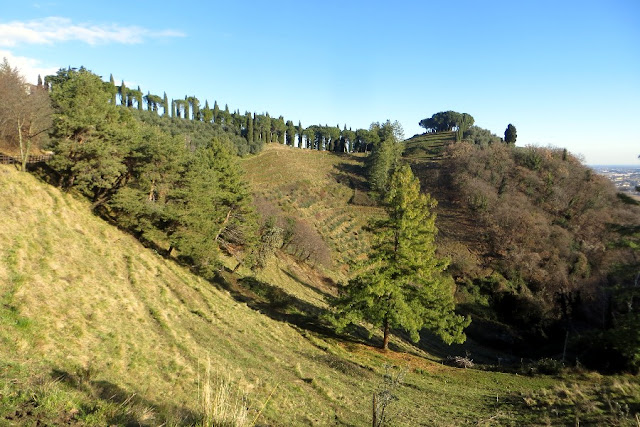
(29, 68)
(56, 29)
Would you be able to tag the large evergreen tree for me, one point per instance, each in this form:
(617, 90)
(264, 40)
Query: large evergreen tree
(403, 284)
(510, 134)
(155, 170)
(91, 137)
(212, 207)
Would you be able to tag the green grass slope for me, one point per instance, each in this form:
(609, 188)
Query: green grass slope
(321, 189)
(97, 330)
(92, 322)
(427, 146)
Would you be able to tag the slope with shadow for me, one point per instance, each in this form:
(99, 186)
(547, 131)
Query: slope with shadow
(325, 193)
(97, 330)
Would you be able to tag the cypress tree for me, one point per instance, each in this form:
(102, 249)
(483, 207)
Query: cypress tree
(165, 104)
(112, 88)
(299, 129)
(266, 129)
(216, 112)
(207, 114)
(123, 94)
(249, 128)
(510, 134)
(256, 130)
(186, 108)
(139, 98)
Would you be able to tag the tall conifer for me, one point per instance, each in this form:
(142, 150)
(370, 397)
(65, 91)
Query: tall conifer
(403, 284)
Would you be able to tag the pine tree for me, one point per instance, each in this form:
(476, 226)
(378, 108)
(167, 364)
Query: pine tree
(213, 207)
(89, 136)
(403, 284)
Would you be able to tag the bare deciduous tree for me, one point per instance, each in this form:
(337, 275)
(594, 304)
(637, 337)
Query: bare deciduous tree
(25, 112)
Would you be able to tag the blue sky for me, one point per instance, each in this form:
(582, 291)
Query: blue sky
(565, 73)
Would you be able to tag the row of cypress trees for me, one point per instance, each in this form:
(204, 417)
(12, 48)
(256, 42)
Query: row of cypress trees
(256, 128)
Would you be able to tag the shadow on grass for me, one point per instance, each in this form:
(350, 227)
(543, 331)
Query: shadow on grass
(279, 305)
(328, 282)
(131, 409)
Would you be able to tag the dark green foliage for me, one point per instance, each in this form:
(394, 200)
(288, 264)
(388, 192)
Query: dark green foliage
(155, 167)
(403, 284)
(510, 134)
(349, 138)
(465, 122)
(194, 104)
(216, 113)
(113, 89)
(479, 136)
(153, 102)
(207, 113)
(211, 207)
(250, 130)
(291, 133)
(265, 128)
(447, 121)
(299, 131)
(138, 96)
(173, 183)
(123, 91)
(278, 129)
(186, 105)
(165, 105)
(91, 137)
(384, 157)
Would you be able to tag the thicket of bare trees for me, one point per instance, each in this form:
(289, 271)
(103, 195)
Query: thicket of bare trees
(25, 113)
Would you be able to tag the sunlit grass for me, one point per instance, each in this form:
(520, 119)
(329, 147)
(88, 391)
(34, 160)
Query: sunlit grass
(97, 330)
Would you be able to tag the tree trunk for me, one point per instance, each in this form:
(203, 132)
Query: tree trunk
(24, 151)
(373, 412)
(385, 339)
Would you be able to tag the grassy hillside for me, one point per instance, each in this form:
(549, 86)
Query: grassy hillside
(95, 329)
(320, 189)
